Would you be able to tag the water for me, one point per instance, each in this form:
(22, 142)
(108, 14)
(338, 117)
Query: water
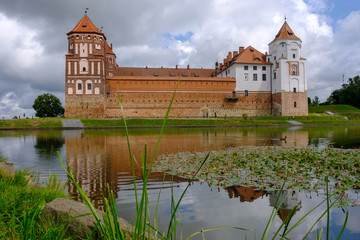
(100, 157)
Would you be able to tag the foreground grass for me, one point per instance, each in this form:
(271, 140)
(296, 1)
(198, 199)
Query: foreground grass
(20, 209)
(268, 167)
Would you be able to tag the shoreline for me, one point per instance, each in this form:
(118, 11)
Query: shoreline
(182, 127)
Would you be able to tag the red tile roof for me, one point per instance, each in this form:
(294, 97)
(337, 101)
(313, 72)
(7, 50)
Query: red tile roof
(85, 25)
(108, 49)
(285, 33)
(250, 55)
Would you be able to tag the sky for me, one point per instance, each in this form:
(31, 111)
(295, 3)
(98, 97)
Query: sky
(166, 33)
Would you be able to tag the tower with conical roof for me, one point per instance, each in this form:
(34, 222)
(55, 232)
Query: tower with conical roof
(289, 84)
(88, 61)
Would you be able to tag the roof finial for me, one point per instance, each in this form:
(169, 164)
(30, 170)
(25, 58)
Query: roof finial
(285, 17)
(86, 10)
(101, 28)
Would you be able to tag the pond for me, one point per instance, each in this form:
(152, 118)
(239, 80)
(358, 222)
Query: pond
(100, 157)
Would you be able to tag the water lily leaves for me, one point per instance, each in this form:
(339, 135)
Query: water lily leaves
(268, 166)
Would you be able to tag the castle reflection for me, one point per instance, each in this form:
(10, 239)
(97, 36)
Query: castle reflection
(286, 202)
(101, 158)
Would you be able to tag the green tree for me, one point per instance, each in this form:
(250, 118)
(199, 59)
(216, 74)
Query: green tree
(47, 105)
(316, 101)
(349, 93)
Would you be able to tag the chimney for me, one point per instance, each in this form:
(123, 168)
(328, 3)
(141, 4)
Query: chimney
(176, 67)
(188, 66)
(229, 56)
(146, 67)
(241, 49)
(235, 53)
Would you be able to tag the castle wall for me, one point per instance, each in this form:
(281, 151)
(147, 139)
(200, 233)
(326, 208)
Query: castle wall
(84, 106)
(194, 98)
(294, 104)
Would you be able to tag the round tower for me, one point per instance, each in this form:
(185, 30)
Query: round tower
(289, 83)
(85, 71)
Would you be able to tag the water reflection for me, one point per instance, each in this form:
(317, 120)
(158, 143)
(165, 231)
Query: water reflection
(286, 202)
(100, 157)
(48, 144)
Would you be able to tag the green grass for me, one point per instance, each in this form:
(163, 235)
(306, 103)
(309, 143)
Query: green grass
(352, 113)
(31, 123)
(340, 109)
(20, 208)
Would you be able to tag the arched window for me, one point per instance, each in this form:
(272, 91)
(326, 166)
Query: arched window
(79, 87)
(89, 87)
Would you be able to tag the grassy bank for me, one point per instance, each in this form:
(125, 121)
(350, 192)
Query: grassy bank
(31, 123)
(21, 205)
(348, 111)
(345, 114)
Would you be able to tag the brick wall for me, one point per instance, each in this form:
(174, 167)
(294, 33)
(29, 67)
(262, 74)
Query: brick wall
(84, 106)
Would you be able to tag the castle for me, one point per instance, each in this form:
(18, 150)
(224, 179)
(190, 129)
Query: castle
(246, 82)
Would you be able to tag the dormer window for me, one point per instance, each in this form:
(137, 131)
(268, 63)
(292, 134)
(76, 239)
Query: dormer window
(257, 59)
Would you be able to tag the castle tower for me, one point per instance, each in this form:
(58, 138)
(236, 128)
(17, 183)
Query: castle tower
(289, 83)
(85, 71)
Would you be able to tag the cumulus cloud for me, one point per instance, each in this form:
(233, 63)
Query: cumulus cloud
(168, 33)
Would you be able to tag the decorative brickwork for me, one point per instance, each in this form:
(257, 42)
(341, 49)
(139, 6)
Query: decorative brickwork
(93, 81)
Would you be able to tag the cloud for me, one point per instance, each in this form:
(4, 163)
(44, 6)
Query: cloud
(168, 33)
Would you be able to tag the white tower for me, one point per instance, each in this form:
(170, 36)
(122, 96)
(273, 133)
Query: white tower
(289, 83)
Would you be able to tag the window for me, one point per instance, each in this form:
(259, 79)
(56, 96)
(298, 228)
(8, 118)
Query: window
(254, 67)
(295, 104)
(255, 77)
(274, 75)
(84, 69)
(274, 57)
(264, 68)
(294, 89)
(246, 76)
(294, 55)
(89, 86)
(264, 77)
(246, 67)
(246, 93)
(294, 69)
(79, 86)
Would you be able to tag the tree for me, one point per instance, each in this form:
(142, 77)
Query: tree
(316, 101)
(47, 105)
(349, 93)
(309, 100)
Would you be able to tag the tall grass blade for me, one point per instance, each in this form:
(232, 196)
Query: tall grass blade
(216, 228)
(274, 211)
(182, 196)
(344, 225)
(163, 126)
(129, 149)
